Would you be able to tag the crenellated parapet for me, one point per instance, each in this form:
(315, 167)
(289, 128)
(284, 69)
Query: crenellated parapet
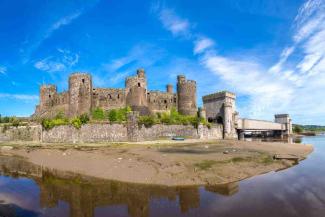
(82, 97)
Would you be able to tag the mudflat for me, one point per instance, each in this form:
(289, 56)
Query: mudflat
(191, 162)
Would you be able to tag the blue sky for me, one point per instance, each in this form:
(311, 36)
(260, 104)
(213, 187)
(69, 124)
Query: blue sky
(270, 53)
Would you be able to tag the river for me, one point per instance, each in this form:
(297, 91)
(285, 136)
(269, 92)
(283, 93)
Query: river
(295, 192)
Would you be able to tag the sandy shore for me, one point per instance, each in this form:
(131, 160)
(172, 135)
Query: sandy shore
(191, 162)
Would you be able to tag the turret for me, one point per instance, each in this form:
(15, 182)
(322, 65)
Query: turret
(136, 92)
(169, 88)
(47, 93)
(80, 94)
(186, 93)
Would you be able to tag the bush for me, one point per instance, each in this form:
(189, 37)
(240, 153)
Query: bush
(15, 122)
(297, 129)
(84, 118)
(112, 115)
(147, 121)
(98, 114)
(76, 122)
(50, 123)
(172, 117)
(118, 115)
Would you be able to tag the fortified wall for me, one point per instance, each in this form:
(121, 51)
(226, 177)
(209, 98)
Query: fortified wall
(82, 97)
(106, 132)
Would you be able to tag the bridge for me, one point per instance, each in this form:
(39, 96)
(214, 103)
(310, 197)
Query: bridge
(220, 108)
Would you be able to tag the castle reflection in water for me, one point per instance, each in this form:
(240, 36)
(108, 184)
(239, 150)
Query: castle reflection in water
(85, 194)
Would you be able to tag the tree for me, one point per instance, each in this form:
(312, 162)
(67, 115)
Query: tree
(297, 129)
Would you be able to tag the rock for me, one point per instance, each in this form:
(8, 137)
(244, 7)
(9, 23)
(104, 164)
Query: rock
(6, 148)
(206, 146)
(226, 152)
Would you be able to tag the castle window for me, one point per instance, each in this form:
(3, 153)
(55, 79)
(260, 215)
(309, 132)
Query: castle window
(139, 85)
(83, 81)
(118, 96)
(49, 96)
(174, 100)
(109, 96)
(166, 106)
(165, 101)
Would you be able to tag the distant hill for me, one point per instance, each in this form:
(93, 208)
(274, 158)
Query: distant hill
(311, 127)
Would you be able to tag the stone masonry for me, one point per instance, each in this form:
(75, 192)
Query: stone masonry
(82, 97)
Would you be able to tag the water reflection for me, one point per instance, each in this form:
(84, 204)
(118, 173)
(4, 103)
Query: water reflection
(84, 194)
(288, 139)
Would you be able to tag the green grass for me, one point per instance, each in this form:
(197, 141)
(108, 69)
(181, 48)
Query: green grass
(205, 164)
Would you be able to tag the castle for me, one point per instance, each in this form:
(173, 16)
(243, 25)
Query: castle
(82, 97)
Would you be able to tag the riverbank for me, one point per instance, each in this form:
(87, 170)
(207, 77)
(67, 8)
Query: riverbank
(191, 162)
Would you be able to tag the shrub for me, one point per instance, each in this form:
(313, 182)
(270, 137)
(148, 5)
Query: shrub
(118, 115)
(76, 122)
(50, 123)
(297, 129)
(147, 121)
(112, 115)
(84, 118)
(15, 122)
(98, 114)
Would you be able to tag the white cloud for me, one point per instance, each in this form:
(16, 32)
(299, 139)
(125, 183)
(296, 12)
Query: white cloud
(202, 45)
(64, 61)
(173, 23)
(24, 97)
(3, 70)
(293, 85)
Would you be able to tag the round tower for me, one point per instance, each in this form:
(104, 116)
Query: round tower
(80, 94)
(186, 94)
(47, 93)
(136, 92)
(169, 88)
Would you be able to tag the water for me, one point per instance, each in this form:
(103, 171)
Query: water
(297, 191)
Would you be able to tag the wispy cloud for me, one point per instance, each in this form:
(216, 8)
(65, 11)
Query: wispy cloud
(23, 97)
(202, 44)
(3, 70)
(64, 61)
(171, 21)
(47, 33)
(293, 85)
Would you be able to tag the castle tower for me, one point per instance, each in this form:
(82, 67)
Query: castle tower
(169, 88)
(47, 93)
(286, 120)
(136, 92)
(186, 94)
(80, 94)
(220, 108)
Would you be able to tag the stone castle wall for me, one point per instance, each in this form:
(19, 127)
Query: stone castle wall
(91, 133)
(161, 101)
(82, 97)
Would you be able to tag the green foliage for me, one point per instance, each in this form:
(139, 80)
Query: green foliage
(50, 123)
(118, 115)
(112, 115)
(15, 122)
(4, 119)
(60, 115)
(76, 122)
(98, 114)
(84, 118)
(172, 117)
(148, 120)
(297, 129)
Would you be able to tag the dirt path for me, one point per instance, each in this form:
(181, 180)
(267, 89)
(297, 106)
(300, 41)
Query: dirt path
(163, 162)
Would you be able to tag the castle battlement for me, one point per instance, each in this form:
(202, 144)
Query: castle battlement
(82, 97)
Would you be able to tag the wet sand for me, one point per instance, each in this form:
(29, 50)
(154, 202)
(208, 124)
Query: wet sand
(192, 162)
